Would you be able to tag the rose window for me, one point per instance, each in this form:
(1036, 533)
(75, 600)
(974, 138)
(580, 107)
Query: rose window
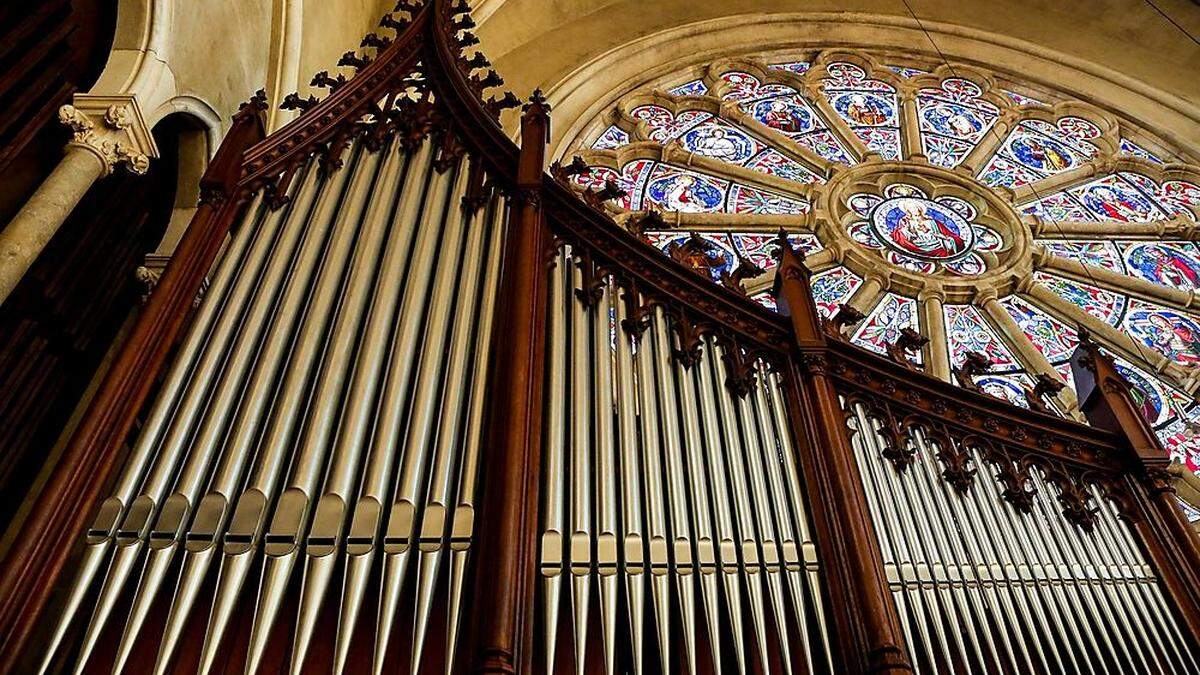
(992, 216)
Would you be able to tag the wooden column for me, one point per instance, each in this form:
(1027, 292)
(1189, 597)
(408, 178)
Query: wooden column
(64, 507)
(1169, 540)
(868, 631)
(505, 563)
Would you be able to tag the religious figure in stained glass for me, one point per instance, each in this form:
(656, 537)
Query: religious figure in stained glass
(1165, 265)
(685, 193)
(923, 228)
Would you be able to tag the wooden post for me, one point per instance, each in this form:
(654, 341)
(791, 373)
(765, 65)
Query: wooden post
(867, 628)
(1170, 541)
(64, 507)
(505, 562)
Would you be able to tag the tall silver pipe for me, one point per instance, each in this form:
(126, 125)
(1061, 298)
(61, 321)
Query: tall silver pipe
(606, 470)
(439, 225)
(655, 497)
(554, 512)
(580, 460)
(686, 424)
(633, 545)
(462, 522)
(109, 515)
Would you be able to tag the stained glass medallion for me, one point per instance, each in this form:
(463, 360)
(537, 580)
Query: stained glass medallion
(1058, 213)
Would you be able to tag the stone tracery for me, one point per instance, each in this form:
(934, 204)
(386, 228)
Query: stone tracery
(1013, 217)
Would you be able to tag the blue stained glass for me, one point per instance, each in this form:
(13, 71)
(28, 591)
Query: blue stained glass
(1130, 148)
(905, 71)
(776, 163)
(1022, 99)
(1171, 264)
(665, 125)
(745, 199)
(1112, 198)
(685, 191)
(870, 107)
(613, 137)
(1008, 388)
(1173, 334)
(1001, 172)
(832, 288)
(883, 325)
(797, 67)
(721, 141)
(789, 114)
(1058, 207)
(693, 88)
(967, 330)
(718, 259)
(952, 120)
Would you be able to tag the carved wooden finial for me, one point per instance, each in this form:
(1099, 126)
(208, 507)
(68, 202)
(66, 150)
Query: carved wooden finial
(509, 100)
(352, 60)
(577, 167)
(467, 40)
(846, 316)
(610, 191)
(908, 341)
(491, 79)
(1044, 386)
(478, 60)
(973, 365)
(390, 20)
(255, 106)
(744, 270)
(293, 102)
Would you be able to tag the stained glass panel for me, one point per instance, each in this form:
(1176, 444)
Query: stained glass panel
(833, 288)
(666, 125)
(1096, 253)
(1170, 264)
(1130, 148)
(869, 106)
(1009, 388)
(883, 325)
(1173, 334)
(613, 137)
(1054, 339)
(693, 88)
(953, 120)
(1105, 305)
(1036, 149)
(792, 116)
(968, 331)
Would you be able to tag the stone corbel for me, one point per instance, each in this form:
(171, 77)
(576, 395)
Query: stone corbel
(112, 128)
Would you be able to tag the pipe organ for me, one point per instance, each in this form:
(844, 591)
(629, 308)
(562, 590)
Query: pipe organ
(438, 412)
(670, 494)
(329, 372)
(981, 585)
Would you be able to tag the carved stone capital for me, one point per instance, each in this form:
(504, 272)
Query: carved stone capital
(112, 128)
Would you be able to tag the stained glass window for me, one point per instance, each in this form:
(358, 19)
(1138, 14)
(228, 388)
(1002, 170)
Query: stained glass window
(1069, 216)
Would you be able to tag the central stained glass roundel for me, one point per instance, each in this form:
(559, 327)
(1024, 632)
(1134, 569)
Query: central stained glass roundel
(922, 228)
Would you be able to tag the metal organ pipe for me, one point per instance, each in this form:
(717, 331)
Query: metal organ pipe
(665, 462)
(329, 368)
(1018, 591)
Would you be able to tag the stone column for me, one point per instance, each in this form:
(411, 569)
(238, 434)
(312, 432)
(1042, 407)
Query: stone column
(933, 324)
(108, 130)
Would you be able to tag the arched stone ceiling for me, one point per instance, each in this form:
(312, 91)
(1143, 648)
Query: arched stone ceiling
(1120, 53)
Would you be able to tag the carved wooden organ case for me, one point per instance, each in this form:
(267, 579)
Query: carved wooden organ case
(437, 412)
